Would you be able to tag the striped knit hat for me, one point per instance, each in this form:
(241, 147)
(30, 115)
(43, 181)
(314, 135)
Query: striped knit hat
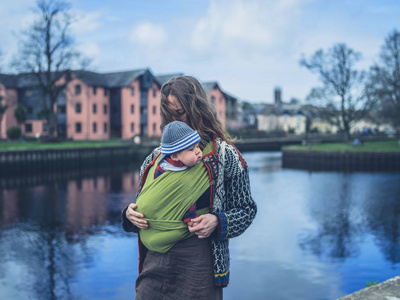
(178, 136)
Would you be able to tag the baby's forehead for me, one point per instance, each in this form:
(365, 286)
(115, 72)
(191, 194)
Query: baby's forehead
(191, 146)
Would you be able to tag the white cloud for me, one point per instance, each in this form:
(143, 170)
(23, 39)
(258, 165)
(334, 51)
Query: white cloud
(237, 26)
(15, 16)
(86, 22)
(148, 35)
(249, 46)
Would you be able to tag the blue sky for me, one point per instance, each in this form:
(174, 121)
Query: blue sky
(248, 46)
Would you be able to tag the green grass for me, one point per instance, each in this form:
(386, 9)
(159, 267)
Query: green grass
(387, 146)
(70, 144)
(372, 283)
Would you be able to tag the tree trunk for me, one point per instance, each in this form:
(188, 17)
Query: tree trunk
(52, 124)
(345, 120)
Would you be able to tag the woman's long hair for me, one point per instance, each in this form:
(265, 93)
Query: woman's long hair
(200, 114)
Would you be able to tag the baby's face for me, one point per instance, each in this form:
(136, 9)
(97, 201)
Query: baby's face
(190, 156)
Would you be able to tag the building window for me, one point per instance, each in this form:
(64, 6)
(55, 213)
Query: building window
(105, 127)
(28, 93)
(94, 90)
(114, 109)
(45, 127)
(105, 107)
(132, 91)
(78, 89)
(154, 110)
(78, 108)
(154, 127)
(105, 92)
(154, 93)
(29, 110)
(61, 109)
(213, 99)
(143, 110)
(78, 127)
(132, 127)
(132, 108)
(28, 128)
(94, 108)
(94, 127)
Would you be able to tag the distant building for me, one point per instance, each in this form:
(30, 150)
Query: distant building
(165, 77)
(94, 106)
(281, 116)
(225, 104)
(231, 106)
(97, 106)
(217, 98)
(287, 119)
(293, 118)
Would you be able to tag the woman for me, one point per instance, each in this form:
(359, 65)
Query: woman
(197, 267)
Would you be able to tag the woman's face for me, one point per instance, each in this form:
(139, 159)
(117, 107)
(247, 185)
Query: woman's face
(180, 114)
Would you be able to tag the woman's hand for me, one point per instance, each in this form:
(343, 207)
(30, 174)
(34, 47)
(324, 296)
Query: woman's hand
(203, 226)
(136, 217)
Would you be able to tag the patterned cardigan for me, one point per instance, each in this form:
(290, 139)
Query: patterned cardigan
(230, 201)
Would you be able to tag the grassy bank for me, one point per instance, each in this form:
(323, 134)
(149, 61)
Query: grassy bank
(69, 144)
(385, 146)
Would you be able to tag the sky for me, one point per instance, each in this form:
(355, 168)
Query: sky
(248, 46)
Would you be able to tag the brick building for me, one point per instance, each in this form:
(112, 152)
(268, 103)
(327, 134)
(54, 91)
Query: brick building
(96, 106)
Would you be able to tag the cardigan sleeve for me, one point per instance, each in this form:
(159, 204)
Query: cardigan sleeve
(239, 208)
(126, 224)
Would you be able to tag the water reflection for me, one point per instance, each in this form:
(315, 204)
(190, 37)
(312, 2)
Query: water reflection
(354, 206)
(46, 228)
(332, 207)
(383, 216)
(317, 235)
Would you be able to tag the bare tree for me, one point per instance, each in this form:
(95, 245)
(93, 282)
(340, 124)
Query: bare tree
(343, 92)
(47, 51)
(384, 81)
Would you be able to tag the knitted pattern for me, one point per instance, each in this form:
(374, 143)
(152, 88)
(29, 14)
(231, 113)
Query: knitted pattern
(178, 136)
(232, 202)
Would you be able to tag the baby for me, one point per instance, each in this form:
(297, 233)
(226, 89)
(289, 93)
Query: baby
(179, 148)
(170, 201)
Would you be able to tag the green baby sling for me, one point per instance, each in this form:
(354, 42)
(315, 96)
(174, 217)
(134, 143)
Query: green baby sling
(165, 200)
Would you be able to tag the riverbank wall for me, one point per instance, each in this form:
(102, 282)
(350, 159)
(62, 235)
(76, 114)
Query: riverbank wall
(341, 160)
(388, 290)
(33, 161)
(15, 162)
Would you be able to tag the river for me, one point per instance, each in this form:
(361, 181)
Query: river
(317, 235)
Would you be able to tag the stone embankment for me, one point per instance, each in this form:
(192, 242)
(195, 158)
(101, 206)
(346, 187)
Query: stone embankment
(45, 160)
(388, 290)
(38, 160)
(340, 160)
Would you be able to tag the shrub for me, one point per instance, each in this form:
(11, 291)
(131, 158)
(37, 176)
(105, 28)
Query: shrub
(14, 132)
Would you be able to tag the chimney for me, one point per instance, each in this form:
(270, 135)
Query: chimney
(278, 96)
